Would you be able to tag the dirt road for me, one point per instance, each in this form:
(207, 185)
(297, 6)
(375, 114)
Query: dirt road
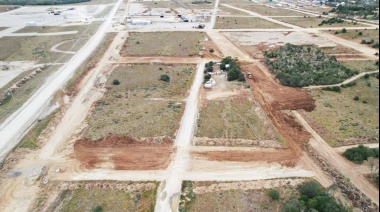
(170, 189)
(263, 17)
(227, 48)
(352, 79)
(12, 129)
(338, 162)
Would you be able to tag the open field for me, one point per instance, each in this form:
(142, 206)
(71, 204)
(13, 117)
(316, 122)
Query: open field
(134, 118)
(313, 22)
(145, 81)
(353, 35)
(229, 11)
(232, 118)
(362, 65)
(342, 119)
(238, 196)
(89, 64)
(159, 4)
(318, 9)
(49, 29)
(85, 196)
(37, 48)
(25, 92)
(245, 23)
(176, 44)
(268, 11)
(124, 153)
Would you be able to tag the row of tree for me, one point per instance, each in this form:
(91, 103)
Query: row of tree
(366, 11)
(298, 66)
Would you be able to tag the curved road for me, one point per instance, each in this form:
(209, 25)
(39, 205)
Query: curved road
(12, 128)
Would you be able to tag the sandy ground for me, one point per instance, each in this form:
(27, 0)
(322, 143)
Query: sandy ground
(272, 39)
(10, 70)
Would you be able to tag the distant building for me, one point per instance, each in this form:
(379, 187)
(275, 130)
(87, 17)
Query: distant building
(140, 22)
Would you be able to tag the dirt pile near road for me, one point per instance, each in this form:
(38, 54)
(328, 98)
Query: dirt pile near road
(124, 153)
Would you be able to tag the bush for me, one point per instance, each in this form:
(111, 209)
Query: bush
(97, 208)
(366, 76)
(356, 98)
(344, 30)
(360, 33)
(334, 89)
(115, 82)
(297, 66)
(310, 189)
(165, 78)
(274, 194)
(361, 153)
(211, 50)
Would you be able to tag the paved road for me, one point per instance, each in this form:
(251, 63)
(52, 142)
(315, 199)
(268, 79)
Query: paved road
(11, 130)
(169, 191)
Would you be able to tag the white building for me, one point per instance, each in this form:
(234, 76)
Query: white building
(140, 22)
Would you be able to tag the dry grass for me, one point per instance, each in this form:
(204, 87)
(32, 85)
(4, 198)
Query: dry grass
(240, 200)
(245, 23)
(339, 49)
(233, 118)
(229, 11)
(105, 12)
(362, 65)
(142, 81)
(159, 4)
(353, 35)
(38, 48)
(313, 22)
(318, 9)
(176, 43)
(25, 92)
(134, 118)
(346, 118)
(268, 11)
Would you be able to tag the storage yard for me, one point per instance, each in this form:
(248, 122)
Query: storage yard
(183, 106)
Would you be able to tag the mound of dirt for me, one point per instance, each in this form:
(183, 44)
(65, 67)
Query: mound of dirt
(124, 153)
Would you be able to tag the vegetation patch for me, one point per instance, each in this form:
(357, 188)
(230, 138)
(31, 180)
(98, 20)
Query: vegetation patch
(365, 11)
(176, 44)
(30, 139)
(341, 119)
(361, 153)
(368, 37)
(245, 23)
(297, 66)
(269, 11)
(362, 65)
(151, 81)
(134, 118)
(313, 22)
(233, 118)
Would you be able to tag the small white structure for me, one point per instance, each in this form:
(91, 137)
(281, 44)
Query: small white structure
(210, 83)
(31, 23)
(141, 22)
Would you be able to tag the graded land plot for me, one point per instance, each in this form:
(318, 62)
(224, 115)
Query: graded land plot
(125, 153)
(245, 23)
(313, 22)
(237, 196)
(134, 118)
(340, 49)
(359, 35)
(343, 120)
(269, 11)
(176, 44)
(18, 97)
(97, 196)
(318, 9)
(362, 65)
(49, 29)
(143, 81)
(231, 118)
(230, 11)
(37, 48)
(159, 4)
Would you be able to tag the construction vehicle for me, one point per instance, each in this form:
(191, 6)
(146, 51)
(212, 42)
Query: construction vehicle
(249, 75)
(200, 26)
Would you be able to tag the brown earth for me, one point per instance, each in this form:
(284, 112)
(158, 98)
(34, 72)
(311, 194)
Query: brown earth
(274, 98)
(124, 153)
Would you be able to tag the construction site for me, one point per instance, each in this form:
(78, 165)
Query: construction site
(130, 105)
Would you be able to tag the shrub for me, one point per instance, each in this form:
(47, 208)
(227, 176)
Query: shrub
(138, 42)
(274, 194)
(165, 78)
(336, 32)
(211, 50)
(207, 77)
(361, 153)
(334, 89)
(115, 82)
(344, 30)
(310, 189)
(360, 33)
(160, 69)
(356, 98)
(97, 208)
(366, 76)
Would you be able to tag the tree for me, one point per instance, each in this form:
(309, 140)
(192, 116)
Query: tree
(310, 189)
(97, 208)
(165, 78)
(274, 194)
(373, 165)
(115, 82)
(356, 98)
(344, 30)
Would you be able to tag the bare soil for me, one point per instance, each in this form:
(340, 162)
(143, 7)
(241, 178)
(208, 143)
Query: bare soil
(124, 153)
